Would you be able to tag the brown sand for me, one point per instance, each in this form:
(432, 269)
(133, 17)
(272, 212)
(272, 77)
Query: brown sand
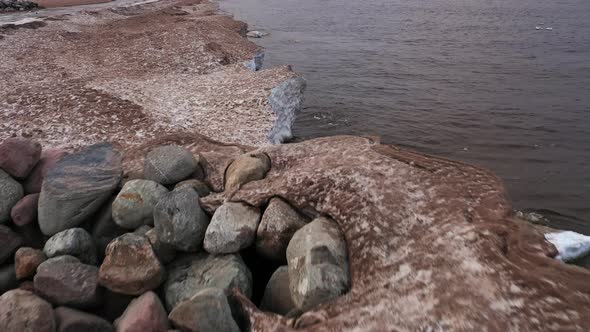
(66, 3)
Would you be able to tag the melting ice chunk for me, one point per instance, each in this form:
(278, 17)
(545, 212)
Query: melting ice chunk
(570, 245)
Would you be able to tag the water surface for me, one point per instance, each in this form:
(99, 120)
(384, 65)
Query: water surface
(470, 80)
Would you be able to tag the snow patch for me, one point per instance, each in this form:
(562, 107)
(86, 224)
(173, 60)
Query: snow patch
(570, 245)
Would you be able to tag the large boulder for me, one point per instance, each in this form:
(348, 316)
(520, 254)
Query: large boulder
(279, 222)
(77, 186)
(144, 314)
(207, 310)
(169, 164)
(318, 263)
(232, 228)
(131, 266)
(64, 280)
(246, 168)
(277, 294)
(26, 261)
(9, 243)
(18, 156)
(189, 274)
(134, 205)
(75, 242)
(10, 193)
(24, 212)
(49, 158)
(72, 320)
(179, 220)
(23, 311)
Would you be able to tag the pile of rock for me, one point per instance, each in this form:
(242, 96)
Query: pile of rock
(101, 248)
(17, 5)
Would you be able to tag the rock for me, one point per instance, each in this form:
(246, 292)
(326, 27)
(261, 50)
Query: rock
(277, 296)
(142, 230)
(169, 164)
(18, 156)
(164, 251)
(131, 266)
(77, 187)
(75, 242)
(179, 220)
(49, 158)
(71, 320)
(135, 203)
(10, 193)
(25, 210)
(105, 229)
(23, 311)
(197, 185)
(318, 263)
(255, 64)
(189, 274)
(246, 168)
(26, 261)
(113, 305)
(10, 242)
(207, 310)
(256, 34)
(232, 228)
(286, 101)
(279, 222)
(7, 278)
(144, 314)
(64, 280)
(27, 285)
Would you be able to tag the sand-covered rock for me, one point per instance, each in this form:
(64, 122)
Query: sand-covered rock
(189, 274)
(134, 205)
(131, 266)
(23, 311)
(77, 186)
(179, 220)
(232, 228)
(246, 168)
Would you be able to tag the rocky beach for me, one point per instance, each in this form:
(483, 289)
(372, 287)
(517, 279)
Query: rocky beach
(148, 183)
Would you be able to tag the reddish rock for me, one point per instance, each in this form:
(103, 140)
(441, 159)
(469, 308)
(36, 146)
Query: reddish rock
(131, 266)
(27, 285)
(71, 320)
(26, 261)
(49, 158)
(9, 243)
(144, 314)
(23, 311)
(63, 280)
(25, 211)
(18, 156)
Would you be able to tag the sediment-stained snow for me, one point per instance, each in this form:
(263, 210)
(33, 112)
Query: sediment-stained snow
(570, 245)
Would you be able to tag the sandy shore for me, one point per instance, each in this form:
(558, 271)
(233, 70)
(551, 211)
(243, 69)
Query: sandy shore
(66, 3)
(128, 73)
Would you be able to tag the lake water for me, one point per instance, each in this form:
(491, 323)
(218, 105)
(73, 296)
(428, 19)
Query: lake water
(482, 81)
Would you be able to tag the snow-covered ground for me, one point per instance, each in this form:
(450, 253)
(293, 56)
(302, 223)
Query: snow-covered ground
(570, 245)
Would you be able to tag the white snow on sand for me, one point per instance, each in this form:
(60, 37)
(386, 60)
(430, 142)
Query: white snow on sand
(570, 245)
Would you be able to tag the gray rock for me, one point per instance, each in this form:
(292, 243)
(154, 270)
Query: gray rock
(9, 243)
(71, 320)
(246, 168)
(256, 34)
(75, 242)
(23, 311)
(135, 203)
(189, 274)
(286, 101)
(64, 280)
(142, 230)
(105, 229)
(131, 266)
(169, 164)
(232, 228)
(207, 310)
(179, 220)
(8, 279)
(277, 294)
(255, 64)
(77, 186)
(10, 193)
(318, 263)
(164, 251)
(197, 185)
(279, 222)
